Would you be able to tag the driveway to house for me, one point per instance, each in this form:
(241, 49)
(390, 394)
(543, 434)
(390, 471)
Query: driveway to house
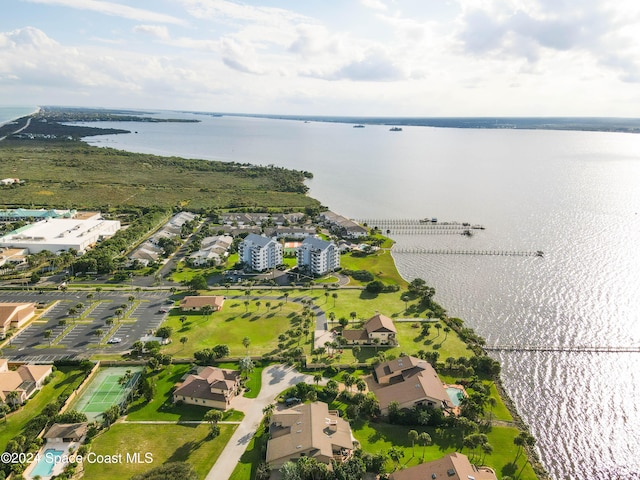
(275, 379)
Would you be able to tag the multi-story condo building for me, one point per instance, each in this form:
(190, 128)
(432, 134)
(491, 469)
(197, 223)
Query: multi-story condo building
(318, 256)
(260, 253)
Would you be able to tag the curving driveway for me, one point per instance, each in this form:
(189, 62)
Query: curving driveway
(275, 379)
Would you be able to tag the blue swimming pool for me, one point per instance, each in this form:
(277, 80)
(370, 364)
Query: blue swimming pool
(455, 394)
(46, 463)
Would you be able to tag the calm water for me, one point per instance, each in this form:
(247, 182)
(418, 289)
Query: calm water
(573, 195)
(11, 113)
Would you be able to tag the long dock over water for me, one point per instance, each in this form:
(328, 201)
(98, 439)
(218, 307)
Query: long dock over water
(449, 251)
(578, 348)
(413, 226)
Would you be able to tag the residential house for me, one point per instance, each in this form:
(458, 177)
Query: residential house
(281, 231)
(378, 330)
(308, 430)
(409, 381)
(209, 386)
(195, 303)
(317, 256)
(343, 226)
(260, 253)
(25, 380)
(15, 315)
(213, 251)
(261, 218)
(454, 466)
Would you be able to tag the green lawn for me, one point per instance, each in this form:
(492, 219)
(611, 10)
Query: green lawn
(161, 407)
(380, 437)
(231, 325)
(252, 457)
(380, 264)
(166, 442)
(65, 379)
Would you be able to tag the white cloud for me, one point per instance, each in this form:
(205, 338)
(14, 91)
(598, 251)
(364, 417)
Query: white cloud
(115, 9)
(374, 4)
(158, 31)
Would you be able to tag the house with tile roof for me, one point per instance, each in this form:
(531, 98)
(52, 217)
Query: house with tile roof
(195, 303)
(308, 430)
(378, 330)
(409, 381)
(454, 466)
(25, 380)
(15, 315)
(209, 386)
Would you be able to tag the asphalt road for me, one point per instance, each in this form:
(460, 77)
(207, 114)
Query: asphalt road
(30, 344)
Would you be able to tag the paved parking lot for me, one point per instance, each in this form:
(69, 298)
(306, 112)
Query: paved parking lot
(142, 317)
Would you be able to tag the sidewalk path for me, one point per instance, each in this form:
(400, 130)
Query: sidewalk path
(275, 379)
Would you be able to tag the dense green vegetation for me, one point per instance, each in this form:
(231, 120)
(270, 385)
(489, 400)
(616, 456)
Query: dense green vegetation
(71, 174)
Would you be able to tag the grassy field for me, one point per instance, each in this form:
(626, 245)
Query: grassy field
(380, 264)
(230, 326)
(380, 437)
(76, 175)
(65, 379)
(167, 443)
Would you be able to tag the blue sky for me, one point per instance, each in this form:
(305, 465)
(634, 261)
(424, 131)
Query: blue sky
(350, 57)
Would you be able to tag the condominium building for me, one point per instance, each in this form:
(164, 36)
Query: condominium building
(260, 253)
(318, 256)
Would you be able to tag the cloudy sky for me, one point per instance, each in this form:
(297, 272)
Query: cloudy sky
(334, 57)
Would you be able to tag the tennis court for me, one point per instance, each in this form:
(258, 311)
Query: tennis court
(110, 386)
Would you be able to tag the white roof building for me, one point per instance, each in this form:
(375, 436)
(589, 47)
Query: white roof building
(260, 253)
(60, 234)
(318, 256)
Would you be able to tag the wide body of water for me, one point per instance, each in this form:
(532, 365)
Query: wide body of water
(574, 195)
(11, 113)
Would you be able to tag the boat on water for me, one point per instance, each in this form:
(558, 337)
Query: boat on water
(358, 126)
(395, 129)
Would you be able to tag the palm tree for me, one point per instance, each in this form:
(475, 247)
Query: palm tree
(334, 295)
(267, 305)
(425, 439)
(132, 298)
(47, 335)
(258, 303)
(246, 305)
(246, 341)
(119, 313)
(286, 297)
(361, 385)
(395, 454)
(353, 315)
(413, 436)
(492, 403)
(438, 327)
(356, 351)
(183, 319)
(183, 340)
(348, 380)
(332, 316)
(207, 310)
(13, 397)
(446, 333)
(280, 304)
(317, 378)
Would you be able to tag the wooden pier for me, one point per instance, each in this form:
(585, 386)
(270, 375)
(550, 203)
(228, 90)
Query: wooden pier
(419, 227)
(448, 251)
(578, 349)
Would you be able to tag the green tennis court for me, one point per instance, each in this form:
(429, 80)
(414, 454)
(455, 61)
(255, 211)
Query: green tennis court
(110, 386)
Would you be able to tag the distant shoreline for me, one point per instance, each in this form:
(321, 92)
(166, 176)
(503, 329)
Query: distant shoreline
(586, 124)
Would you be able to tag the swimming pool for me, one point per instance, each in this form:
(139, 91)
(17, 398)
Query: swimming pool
(455, 394)
(46, 463)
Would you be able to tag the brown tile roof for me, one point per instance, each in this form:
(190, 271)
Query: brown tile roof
(200, 384)
(353, 335)
(14, 312)
(308, 428)
(379, 323)
(397, 365)
(197, 301)
(454, 466)
(415, 381)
